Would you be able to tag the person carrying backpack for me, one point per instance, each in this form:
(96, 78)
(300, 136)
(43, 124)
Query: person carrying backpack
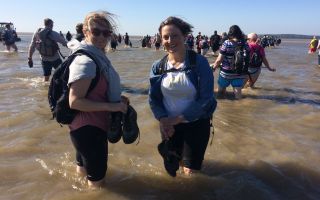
(215, 42)
(313, 45)
(234, 60)
(257, 57)
(181, 99)
(9, 38)
(100, 109)
(45, 40)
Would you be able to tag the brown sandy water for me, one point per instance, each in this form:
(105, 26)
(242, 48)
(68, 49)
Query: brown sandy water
(266, 146)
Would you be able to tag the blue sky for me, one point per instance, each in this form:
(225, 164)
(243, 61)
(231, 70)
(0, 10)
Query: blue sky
(141, 17)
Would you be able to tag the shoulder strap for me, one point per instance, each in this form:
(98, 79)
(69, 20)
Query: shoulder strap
(161, 67)
(192, 56)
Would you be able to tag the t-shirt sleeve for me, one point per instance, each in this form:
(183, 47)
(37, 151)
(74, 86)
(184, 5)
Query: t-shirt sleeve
(82, 67)
(58, 38)
(223, 49)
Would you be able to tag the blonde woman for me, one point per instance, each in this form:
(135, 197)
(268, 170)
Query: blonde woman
(88, 131)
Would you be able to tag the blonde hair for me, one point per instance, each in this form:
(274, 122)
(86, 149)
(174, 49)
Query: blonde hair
(102, 18)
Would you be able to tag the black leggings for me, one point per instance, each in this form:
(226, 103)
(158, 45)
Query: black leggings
(91, 147)
(190, 140)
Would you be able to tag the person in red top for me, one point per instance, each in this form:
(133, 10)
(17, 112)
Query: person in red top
(257, 57)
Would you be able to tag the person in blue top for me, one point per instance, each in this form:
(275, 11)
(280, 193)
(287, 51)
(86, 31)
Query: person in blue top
(226, 61)
(181, 99)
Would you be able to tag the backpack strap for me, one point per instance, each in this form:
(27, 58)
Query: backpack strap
(192, 56)
(161, 67)
(97, 77)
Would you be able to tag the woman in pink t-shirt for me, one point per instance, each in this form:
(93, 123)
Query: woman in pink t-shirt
(257, 57)
(88, 131)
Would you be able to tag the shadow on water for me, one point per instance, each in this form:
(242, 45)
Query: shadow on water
(287, 99)
(288, 90)
(277, 98)
(219, 181)
(284, 99)
(130, 90)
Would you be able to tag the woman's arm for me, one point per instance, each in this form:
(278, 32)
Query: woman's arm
(78, 100)
(155, 95)
(266, 63)
(218, 62)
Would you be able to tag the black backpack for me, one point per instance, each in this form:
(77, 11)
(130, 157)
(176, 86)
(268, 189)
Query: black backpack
(58, 93)
(255, 58)
(7, 36)
(46, 46)
(241, 59)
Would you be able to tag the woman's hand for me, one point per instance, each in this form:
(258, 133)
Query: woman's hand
(272, 69)
(167, 123)
(118, 107)
(125, 100)
(166, 130)
(172, 120)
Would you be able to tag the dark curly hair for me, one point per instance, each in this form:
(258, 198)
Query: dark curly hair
(235, 32)
(184, 27)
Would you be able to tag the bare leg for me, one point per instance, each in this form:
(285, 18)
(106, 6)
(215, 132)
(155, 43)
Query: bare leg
(246, 83)
(46, 78)
(221, 92)
(15, 47)
(252, 81)
(187, 171)
(81, 170)
(95, 184)
(92, 184)
(237, 92)
(252, 78)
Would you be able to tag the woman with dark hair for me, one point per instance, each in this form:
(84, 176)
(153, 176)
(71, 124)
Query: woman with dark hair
(181, 98)
(79, 36)
(227, 61)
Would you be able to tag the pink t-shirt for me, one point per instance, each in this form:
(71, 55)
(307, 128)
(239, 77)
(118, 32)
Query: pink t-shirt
(256, 47)
(97, 119)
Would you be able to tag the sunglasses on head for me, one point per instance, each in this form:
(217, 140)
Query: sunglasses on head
(97, 32)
